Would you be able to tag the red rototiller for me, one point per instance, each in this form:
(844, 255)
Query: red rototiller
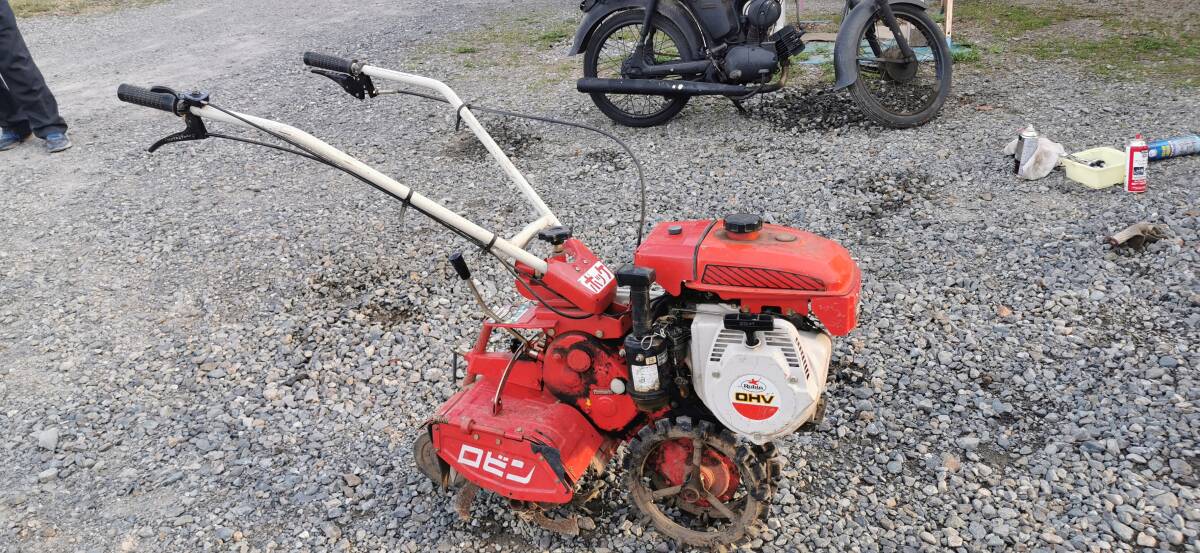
(713, 343)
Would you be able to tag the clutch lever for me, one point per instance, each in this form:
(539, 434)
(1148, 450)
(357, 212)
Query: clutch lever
(194, 128)
(359, 86)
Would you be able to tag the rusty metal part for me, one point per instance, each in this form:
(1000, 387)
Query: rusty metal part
(1137, 236)
(464, 499)
(718, 497)
(593, 489)
(697, 471)
(567, 526)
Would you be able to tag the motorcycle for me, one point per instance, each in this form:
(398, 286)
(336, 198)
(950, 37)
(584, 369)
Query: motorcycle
(695, 377)
(643, 59)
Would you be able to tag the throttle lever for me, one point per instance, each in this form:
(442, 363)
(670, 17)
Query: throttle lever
(359, 86)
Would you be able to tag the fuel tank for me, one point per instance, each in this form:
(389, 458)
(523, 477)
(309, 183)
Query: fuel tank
(756, 265)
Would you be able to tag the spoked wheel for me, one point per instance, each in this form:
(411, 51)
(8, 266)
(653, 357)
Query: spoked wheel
(607, 52)
(901, 93)
(697, 484)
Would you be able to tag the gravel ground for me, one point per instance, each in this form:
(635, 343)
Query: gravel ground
(220, 348)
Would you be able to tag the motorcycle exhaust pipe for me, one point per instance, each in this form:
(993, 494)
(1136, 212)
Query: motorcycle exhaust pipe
(660, 87)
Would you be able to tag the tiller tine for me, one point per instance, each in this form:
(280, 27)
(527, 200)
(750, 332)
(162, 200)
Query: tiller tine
(567, 526)
(464, 499)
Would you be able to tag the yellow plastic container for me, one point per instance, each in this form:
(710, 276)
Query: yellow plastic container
(1112, 173)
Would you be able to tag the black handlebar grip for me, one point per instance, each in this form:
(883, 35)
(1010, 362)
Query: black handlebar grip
(164, 101)
(331, 63)
(460, 265)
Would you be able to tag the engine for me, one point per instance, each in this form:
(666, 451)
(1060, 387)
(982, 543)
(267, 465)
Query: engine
(743, 332)
(761, 377)
(751, 64)
(756, 60)
(756, 36)
(761, 15)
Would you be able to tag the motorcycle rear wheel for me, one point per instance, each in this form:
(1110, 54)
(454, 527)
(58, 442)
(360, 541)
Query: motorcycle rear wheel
(609, 47)
(903, 95)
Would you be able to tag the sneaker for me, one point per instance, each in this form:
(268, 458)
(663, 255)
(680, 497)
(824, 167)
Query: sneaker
(57, 142)
(10, 139)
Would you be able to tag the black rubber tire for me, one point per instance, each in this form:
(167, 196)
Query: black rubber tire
(876, 111)
(595, 45)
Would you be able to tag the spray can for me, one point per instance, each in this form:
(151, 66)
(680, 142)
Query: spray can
(1137, 157)
(1174, 147)
(1026, 147)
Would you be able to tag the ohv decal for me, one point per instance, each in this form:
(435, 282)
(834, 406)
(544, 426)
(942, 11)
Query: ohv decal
(754, 397)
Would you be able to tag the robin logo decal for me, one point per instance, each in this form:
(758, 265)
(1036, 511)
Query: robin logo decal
(754, 397)
(508, 468)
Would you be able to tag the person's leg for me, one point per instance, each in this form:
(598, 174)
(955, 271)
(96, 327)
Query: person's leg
(27, 89)
(10, 118)
(13, 129)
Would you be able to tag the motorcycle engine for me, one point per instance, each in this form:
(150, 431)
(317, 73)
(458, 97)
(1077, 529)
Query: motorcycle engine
(755, 60)
(762, 391)
(748, 64)
(762, 14)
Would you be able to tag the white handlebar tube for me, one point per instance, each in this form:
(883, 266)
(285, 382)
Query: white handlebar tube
(472, 123)
(430, 207)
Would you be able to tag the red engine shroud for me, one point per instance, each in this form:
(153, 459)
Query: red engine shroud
(777, 266)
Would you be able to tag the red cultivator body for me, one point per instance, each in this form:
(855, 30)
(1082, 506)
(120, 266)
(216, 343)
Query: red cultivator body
(699, 378)
(713, 343)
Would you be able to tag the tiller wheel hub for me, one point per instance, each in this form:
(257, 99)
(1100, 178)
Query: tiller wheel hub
(717, 475)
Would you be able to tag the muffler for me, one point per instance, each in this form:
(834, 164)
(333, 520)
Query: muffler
(661, 87)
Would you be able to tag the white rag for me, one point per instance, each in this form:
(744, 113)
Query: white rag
(1044, 160)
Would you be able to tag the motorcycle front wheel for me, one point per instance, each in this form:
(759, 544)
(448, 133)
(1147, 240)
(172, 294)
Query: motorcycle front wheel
(612, 44)
(893, 92)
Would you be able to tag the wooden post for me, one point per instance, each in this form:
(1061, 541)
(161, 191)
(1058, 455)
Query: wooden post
(948, 10)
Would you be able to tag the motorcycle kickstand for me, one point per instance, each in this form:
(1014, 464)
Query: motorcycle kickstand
(738, 104)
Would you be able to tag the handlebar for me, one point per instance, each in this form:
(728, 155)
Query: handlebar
(195, 107)
(165, 101)
(331, 63)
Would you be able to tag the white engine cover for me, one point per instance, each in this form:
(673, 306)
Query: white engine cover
(762, 392)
